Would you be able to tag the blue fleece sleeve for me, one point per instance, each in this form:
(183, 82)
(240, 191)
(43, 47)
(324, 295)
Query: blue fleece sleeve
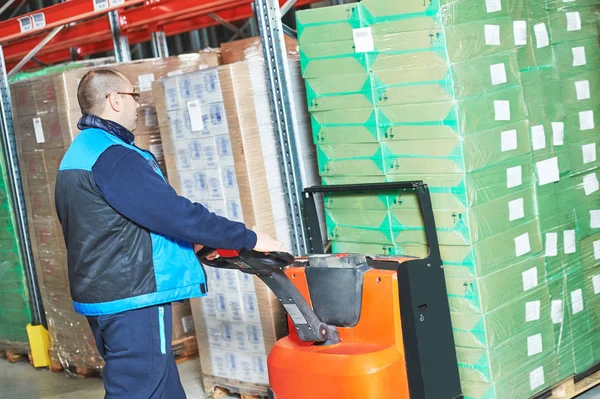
(130, 185)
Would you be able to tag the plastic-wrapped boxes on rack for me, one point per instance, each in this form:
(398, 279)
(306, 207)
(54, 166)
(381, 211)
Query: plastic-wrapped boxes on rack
(221, 152)
(458, 95)
(15, 309)
(46, 115)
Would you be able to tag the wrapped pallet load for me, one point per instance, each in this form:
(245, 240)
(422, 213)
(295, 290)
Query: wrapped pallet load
(220, 146)
(467, 97)
(15, 307)
(46, 116)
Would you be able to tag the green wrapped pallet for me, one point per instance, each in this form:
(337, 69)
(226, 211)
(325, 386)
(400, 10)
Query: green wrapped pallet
(482, 258)
(577, 91)
(522, 351)
(521, 383)
(576, 57)
(488, 330)
(470, 294)
(15, 308)
(574, 23)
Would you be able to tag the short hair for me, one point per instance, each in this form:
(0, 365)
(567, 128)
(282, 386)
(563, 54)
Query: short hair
(95, 85)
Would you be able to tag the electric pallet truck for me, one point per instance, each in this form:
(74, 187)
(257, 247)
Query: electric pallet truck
(368, 327)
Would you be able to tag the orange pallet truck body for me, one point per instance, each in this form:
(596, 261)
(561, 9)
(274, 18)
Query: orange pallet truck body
(368, 327)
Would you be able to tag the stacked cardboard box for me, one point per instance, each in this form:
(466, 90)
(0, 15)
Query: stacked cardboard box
(221, 152)
(15, 309)
(46, 115)
(434, 91)
(567, 203)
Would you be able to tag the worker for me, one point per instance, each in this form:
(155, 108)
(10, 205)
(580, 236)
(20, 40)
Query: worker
(130, 241)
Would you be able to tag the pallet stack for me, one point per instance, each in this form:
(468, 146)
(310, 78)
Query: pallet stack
(466, 97)
(15, 308)
(220, 150)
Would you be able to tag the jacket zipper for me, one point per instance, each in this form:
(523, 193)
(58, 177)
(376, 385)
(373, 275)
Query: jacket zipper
(161, 326)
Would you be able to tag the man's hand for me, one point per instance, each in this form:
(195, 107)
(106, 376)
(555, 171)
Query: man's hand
(210, 256)
(264, 243)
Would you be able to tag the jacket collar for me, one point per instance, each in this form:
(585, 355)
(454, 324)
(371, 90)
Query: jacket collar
(88, 121)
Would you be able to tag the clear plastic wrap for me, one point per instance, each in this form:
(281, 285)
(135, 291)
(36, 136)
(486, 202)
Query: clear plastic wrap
(493, 105)
(220, 150)
(15, 308)
(46, 114)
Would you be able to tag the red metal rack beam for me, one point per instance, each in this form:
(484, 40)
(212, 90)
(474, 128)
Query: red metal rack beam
(93, 36)
(172, 10)
(58, 14)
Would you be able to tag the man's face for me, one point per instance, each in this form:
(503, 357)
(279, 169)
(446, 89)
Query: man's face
(130, 107)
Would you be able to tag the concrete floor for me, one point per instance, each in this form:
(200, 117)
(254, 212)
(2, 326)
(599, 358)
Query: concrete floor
(21, 381)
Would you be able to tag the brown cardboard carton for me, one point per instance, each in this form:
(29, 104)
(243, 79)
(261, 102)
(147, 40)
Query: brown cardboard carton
(241, 50)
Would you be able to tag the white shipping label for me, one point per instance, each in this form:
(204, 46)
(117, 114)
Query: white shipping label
(516, 209)
(556, 312)
(522, 244)
(116, 2)
(597, 249)
(573, 21)
(39, 20)
(532, 311)
(595, 219)
(514, 176)
(492, 35)
(520, 31)
(586, 120)
(551, 244)
(596, 283)
(590, 184)
(541, 35)
(39, 131)
(295, 314)
(589, 152)
(493, 5)
(530, 279)
(188, 324)
(195, 112)
(498, 74)
(363, 40)
(175, 73)
(502, 110)
(536, 378)
(534, 345)
(145, 81)
(577, 301)
(558, 133)
(538, 137)
(578, 56)
(570, 241)
(509, 140)
(100, 5)
(582, 88)
(548, 171)
(26, 24)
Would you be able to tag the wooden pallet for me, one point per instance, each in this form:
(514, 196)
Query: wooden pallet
(185, 349)
(569, 389)
(220, 392)
(13, 357)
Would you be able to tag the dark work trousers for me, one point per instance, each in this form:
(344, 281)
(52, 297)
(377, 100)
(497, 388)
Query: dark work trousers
(136, 346)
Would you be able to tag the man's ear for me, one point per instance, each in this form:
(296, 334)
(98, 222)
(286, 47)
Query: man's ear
(114, 102)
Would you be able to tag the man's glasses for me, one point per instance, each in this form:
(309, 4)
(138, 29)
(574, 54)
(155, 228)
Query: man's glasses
(136, 96)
